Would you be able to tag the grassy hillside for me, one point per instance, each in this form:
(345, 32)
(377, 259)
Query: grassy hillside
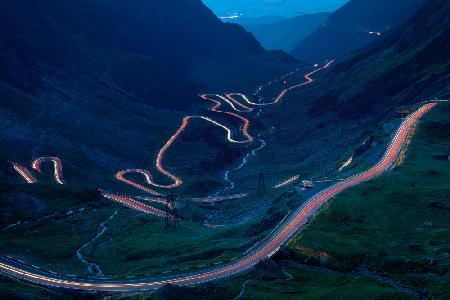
(395, 226)
(316, 128)
(387, 238)
(407, 66)
(389, 246)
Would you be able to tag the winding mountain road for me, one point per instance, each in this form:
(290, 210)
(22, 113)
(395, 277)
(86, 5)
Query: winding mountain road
(218, 100)
(36, 165)
(263, 250)
(57, 166)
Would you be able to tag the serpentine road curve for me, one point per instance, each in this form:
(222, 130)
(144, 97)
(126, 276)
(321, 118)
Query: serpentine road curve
(236, 105)
(265, 249)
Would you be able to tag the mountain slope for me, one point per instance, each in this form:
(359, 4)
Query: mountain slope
(152, 49)
(354, 26)
(385, 239)
(285, 8)
(341, 109)
(285, 34)
(406, 206)
(81, 79)
(407, 66)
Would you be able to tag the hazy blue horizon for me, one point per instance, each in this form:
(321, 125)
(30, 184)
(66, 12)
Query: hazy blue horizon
(259, 8)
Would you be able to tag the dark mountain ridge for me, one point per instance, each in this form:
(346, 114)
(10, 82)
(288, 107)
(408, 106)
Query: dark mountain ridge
(285, 34)
(408, 65)
(92, 81)
(353, 26)
(152, 49)
(333, 116)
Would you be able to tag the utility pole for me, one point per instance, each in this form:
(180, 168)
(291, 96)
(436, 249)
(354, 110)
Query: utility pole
(261, 184)
(171, 212)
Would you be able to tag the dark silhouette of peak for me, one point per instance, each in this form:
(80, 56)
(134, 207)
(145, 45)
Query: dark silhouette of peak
(353, 27)
(106, 81)
(160, 52)
(286, 33)
(409, 65)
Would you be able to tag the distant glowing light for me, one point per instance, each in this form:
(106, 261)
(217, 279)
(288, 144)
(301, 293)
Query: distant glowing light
(307, 184)
(375, 33)
(346, 163)
(231, 17)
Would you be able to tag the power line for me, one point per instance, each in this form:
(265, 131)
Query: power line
(261, 184)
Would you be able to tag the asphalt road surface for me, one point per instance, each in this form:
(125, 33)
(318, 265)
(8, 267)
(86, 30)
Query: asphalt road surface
(265, 249)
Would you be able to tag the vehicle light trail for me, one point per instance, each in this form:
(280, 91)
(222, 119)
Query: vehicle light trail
(133, 204)
(374, 33)
(159, 165)
(346, 163)
(283, 93)
(263, 250)
(228, 99)
(234, 104)
(286, 182)
(245, 121)
(148, 178)
(36, 165)
(308, 78)
(24, 172)
(150, 199)
(57, 166)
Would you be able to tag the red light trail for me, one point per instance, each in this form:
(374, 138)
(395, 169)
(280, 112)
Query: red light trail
(283, 93)
(265, 249)
(234, 104)
(286, 182)
(133, 204)
(57, 166)
(24, 172)
(36, 165)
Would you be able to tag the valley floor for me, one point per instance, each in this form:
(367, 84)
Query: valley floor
(386, 238)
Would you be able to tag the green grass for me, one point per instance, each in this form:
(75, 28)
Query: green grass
(134, 244)
(397, 224)
(385, 239)
(140, 246)
(271, 281)
(50, 235)
(314, 283)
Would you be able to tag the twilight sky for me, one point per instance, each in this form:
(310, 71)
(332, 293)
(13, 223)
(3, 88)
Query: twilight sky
(258, 8)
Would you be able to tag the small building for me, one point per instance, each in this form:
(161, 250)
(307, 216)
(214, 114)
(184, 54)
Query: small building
(307, 184)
